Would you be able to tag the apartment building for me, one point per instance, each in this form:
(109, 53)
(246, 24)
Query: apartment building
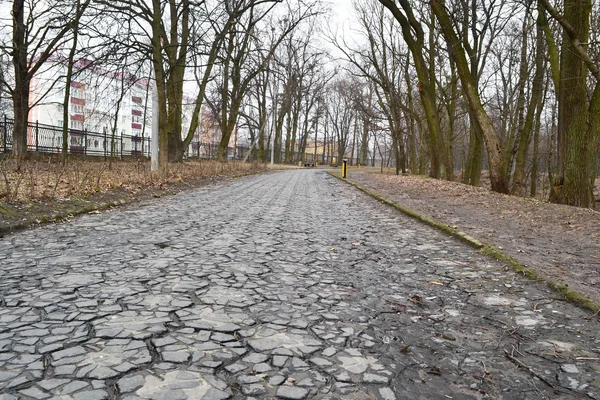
(109, 112)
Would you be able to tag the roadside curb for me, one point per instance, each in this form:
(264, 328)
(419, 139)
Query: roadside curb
(572, 297)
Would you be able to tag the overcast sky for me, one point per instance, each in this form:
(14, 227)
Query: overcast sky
(343, 21)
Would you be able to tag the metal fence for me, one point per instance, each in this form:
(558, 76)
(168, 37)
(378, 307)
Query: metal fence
(49, 139)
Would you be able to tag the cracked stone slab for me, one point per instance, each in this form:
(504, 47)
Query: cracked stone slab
(132, 324)
(100, 359)
(180, 385)
(268, 340)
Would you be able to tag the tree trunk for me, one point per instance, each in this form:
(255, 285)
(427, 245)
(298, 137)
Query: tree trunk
(536, 97)
(474, 156)
(21, 115)
(20, 94)
(68, 79)
(573, 148)
(536, 150)
(499, 181)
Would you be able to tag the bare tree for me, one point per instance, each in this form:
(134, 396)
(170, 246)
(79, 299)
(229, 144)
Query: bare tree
(414, 36)
(38, 31)
(498, 179)
(341, 112)
(242, 61)
(578, 118)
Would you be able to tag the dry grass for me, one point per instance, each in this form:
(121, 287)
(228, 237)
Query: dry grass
(37, 179)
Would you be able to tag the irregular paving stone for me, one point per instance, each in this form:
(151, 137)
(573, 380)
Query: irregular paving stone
(179, 384)
(91, 395)
(374, 378)
(130, 383)
(569, 368)
(102, 359)
(293, 342)
(387, 394)
(276, 380)
(285, 284)
(293, 393)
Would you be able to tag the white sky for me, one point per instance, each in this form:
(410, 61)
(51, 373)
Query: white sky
(343, 22)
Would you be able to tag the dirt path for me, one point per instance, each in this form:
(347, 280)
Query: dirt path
(561, 243)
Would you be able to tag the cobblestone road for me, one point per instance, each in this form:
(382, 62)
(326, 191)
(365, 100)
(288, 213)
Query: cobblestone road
(288, 285)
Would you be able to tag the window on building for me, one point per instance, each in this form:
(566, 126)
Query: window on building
(77, 93)
(77, 125)
(77, 140)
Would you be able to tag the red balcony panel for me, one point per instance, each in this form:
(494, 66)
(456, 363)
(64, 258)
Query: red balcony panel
(136, 99)
(78, 85)
(77, 117)
(136, 112)
(136, 126)
(75, 100)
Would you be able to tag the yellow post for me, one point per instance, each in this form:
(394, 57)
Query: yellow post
(344, 169)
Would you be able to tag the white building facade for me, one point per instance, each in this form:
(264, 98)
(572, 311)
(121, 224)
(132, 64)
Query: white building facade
(109, 113)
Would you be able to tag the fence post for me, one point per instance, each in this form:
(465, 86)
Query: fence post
(85, 141)
(104, 131)
(5, 138)
(37, 135)
(121, 145)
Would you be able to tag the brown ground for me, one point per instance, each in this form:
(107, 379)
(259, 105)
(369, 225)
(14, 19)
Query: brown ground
(561, 243)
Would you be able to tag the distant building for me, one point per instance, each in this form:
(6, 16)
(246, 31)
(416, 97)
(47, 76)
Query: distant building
(108, 111)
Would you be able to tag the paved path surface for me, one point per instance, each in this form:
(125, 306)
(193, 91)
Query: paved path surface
(289, 285)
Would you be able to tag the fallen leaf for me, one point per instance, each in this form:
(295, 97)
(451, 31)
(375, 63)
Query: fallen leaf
(435, 370)
(436, 283)
(415, 298)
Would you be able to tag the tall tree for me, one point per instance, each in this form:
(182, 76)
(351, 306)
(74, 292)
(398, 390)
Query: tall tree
(499, 181)
(537, 91)
(414, 35)
(37, 34)
(578, 118)
(243, 61)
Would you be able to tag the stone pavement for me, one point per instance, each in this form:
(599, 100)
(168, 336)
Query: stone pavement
(289, 285)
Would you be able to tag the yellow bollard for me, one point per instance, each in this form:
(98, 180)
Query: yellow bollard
(344, 169)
